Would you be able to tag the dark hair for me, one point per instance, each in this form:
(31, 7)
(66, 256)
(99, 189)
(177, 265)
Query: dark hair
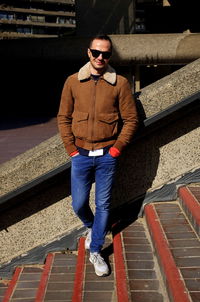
(101, 37)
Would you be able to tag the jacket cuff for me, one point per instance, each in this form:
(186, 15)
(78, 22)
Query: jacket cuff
(119, 145)
(70, 149)
(114, 152)
(74, 153)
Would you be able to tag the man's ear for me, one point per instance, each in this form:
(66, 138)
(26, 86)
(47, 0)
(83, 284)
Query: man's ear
(89, 52)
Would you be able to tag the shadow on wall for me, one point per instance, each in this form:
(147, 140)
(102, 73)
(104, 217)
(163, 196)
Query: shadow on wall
(138, 165)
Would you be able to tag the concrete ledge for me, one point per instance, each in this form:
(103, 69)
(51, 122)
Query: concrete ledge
(180, 48)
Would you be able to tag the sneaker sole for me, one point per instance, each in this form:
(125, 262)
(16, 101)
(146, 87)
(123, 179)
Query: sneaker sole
(98, 273)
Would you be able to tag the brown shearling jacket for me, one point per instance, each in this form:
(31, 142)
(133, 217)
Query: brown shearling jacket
(96, 114)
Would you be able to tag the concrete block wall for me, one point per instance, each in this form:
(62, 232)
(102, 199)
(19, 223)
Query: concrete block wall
(146, 165)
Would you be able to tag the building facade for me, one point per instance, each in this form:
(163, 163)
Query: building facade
(36, 18)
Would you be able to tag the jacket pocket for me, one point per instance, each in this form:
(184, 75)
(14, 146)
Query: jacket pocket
(107, 125)
(80, 124)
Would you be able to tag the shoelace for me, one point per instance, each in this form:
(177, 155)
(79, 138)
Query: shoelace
(98, 258)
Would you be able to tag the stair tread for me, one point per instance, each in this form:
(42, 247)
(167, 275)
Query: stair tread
(142, 271)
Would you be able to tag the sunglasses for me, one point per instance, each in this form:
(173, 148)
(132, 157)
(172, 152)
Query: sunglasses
(96, 53)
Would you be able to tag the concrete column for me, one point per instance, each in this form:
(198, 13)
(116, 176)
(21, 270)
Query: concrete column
(103, 16)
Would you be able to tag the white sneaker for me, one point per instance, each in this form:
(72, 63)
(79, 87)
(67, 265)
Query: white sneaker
(88, 239)
(100, 266)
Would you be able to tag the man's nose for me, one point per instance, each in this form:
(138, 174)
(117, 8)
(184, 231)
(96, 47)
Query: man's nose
(100, 56)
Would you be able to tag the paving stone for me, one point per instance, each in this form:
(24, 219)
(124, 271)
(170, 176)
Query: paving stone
(23, 300)
(61, 277)
(130, 240)
(175, 222)
(196, 192)
(185, 252)
(27, 284)
(195, 296)
(190, 272)
(30, 277)
(91, 276)
(184, 243)
(141, 274)
(138, 256)
(193, 284)
(134, 234)
(183, 235)
(188, 262)
(138, 248)
(134, 228)
(96, 296)
(166, 208)
(58, 295)
(98, 286)
(147, 297)
(61, 269)
(32, 270)
(64, 286)
(177, 228)
(169, 216)
(24, 293)
(140, 264)
(144, 284)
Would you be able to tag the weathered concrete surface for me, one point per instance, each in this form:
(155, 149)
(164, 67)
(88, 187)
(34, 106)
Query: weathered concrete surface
(171, 89)
(130, 49)
(145, 166)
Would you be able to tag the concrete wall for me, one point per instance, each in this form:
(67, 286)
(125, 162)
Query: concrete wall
(144, 166)
(102, 16)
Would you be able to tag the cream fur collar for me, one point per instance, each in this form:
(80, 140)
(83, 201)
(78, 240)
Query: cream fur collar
(110, 74)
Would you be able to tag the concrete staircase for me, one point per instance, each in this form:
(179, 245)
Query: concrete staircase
(152, 259)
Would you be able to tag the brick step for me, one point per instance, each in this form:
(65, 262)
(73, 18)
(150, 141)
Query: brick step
(137, 272)
(177, 248)
(189, 198)
(164, 245)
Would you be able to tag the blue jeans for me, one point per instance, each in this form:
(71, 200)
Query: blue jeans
(84, 170)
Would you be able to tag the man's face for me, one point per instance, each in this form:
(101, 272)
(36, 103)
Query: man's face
(99, 63)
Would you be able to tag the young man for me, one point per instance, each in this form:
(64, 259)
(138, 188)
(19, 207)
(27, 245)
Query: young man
(97, 118)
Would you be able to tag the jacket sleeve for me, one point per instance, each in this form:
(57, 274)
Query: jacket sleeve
(64, 117)
(129, 116)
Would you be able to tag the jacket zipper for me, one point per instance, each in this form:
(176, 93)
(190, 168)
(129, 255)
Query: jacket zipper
(94, 111)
